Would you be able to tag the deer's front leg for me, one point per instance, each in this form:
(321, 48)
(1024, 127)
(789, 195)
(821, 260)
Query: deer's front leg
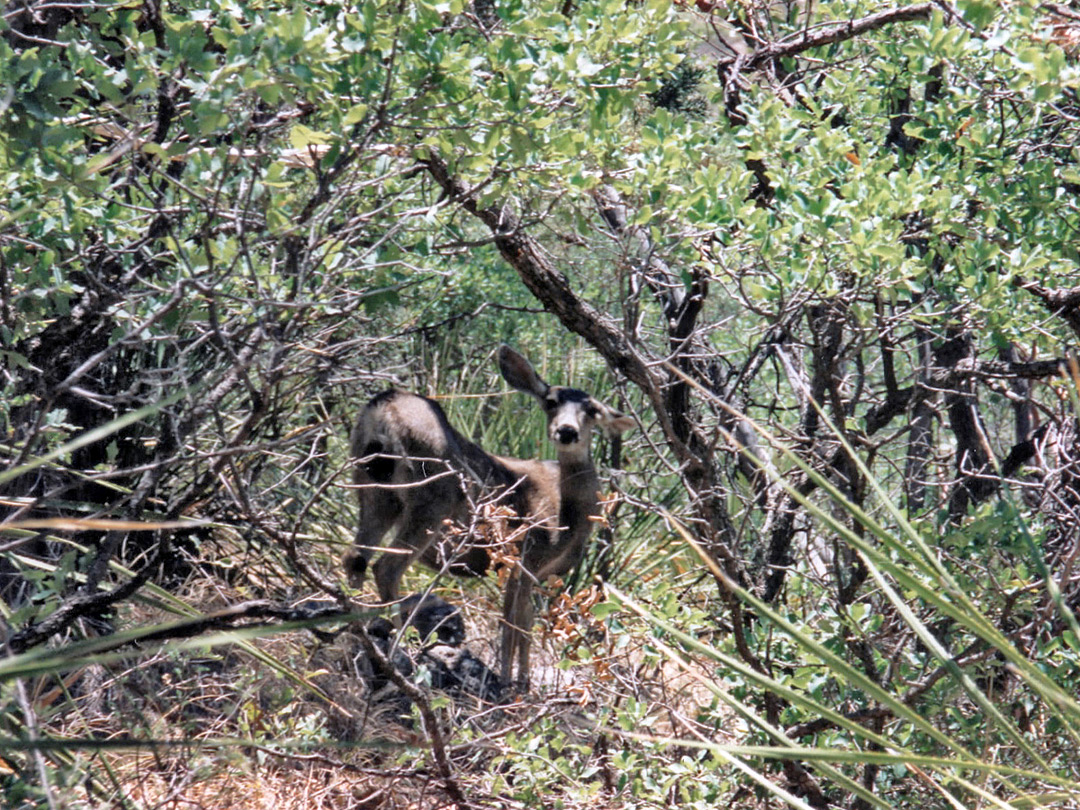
(517, 624)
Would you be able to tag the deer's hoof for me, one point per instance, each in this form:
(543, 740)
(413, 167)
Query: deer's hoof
(355, 566)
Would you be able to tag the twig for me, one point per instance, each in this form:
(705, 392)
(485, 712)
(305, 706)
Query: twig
(83, 604)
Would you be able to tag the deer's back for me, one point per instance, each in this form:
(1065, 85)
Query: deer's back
(397, 423)
(405, 436)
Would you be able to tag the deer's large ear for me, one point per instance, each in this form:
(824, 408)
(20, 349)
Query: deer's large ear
(519, 372)
(613, 421)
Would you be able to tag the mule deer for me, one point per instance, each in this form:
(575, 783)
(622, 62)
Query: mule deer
(416, 474)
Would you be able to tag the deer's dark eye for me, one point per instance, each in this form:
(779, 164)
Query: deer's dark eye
(551, 404)
(592, 412)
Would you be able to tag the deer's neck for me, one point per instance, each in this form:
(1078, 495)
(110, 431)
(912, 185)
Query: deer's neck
(578, 504)
(578, 490)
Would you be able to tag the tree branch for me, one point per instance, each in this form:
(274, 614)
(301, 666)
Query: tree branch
(83, 604)
(836, 32)
(553, 290)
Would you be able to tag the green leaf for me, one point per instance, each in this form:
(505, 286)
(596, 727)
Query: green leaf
(355, 114)
(301, 136)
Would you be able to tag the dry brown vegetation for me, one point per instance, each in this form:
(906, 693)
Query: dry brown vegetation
(164, 727)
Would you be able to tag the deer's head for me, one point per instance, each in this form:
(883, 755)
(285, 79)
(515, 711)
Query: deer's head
(572, 413)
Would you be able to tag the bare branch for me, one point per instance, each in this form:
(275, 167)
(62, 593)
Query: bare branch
(836, 32)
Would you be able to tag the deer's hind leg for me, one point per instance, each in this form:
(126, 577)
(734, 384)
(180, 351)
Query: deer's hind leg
(380, 510)
(427, 508)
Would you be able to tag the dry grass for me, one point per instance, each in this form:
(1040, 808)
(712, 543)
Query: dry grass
(224, 784)
(175, 717)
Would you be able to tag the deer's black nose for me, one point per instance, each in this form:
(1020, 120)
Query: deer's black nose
(566, 434)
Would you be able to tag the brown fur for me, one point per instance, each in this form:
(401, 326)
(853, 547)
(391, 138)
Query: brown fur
(416, 474)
